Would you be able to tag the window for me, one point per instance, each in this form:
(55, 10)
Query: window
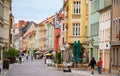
(117, 26)
(76, 29)
(113, 27)
(76, 7)
(116, 2)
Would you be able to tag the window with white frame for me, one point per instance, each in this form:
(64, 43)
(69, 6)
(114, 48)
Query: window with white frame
(76, 7)
(116, 2)
(76, 29)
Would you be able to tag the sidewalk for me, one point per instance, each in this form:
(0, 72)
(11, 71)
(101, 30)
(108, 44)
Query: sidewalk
(4, 72)
(82, 72)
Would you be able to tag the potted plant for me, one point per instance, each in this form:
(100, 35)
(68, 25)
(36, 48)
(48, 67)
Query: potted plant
(12, 53)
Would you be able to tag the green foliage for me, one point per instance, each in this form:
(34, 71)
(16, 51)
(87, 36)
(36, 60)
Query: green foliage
(11, 53)
(5, 55)
(59, 57)
(34, 51)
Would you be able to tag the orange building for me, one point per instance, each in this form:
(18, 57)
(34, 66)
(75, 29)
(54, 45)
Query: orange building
(56, 39)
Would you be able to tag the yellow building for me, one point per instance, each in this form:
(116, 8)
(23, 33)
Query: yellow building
(75, 20)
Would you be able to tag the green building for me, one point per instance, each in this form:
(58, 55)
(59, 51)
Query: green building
(96, 5)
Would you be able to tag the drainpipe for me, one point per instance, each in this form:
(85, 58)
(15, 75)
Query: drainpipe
(111, 38)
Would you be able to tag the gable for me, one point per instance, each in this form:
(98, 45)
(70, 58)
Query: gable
(32, 28)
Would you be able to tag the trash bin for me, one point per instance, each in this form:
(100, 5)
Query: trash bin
(6, 63)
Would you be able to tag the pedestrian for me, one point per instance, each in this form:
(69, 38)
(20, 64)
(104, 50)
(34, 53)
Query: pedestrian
(31, 57)
(92, 64)
(27, 58)
(20, 59)
(99, 64)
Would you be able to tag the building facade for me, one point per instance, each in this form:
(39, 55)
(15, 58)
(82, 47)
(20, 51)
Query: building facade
(1, 30)
(18, 33)
(29, 38)
(50, 33)
(75, 16)
(5, 11)
(115, 53)
(96, 5)
(47, 34)
(6, 27)
(104, 35)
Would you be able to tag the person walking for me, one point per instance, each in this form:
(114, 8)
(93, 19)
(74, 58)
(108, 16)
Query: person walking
(20, 59)
(92, 64)
(31, 57)
(99, 63)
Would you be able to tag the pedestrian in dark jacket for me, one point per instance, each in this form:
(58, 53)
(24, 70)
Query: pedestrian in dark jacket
(20, 59)
(92, 64)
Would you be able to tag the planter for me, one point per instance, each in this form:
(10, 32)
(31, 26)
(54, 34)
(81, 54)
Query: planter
(6, 63)
(12, 60)
(59, 65)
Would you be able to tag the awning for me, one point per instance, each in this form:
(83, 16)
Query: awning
(48, 54)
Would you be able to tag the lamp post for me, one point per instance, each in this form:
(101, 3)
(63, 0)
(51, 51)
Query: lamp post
(110, 59)
(92, 42)
(67, 52)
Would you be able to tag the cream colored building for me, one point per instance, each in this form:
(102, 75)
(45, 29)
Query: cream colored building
(47, 34)
(4, 25)
(29, 40)
(42, 30)
(6, 16)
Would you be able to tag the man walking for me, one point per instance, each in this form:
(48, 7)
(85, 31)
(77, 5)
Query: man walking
(92, 64)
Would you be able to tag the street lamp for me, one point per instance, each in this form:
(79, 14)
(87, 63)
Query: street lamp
(67, 51)
(92, 42)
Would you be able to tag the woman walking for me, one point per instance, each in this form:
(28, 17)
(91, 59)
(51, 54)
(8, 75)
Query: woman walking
(99, 63)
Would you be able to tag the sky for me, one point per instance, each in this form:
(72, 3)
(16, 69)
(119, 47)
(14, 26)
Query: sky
(35, 10)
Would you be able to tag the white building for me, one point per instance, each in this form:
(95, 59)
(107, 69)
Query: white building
(104, 35)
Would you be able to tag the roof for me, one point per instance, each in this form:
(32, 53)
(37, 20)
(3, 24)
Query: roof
(48, 20)
(21, 23)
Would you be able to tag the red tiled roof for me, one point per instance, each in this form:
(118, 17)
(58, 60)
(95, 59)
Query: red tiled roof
(20, 23)
(48, 20)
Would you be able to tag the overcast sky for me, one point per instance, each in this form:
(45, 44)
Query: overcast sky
(35, 10)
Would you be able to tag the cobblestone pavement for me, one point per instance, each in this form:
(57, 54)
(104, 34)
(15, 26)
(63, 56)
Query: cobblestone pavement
(36, 68)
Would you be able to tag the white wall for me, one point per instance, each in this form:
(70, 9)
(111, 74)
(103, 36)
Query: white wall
(104, 32)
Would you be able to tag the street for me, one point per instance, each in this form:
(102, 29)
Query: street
(36, 68)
